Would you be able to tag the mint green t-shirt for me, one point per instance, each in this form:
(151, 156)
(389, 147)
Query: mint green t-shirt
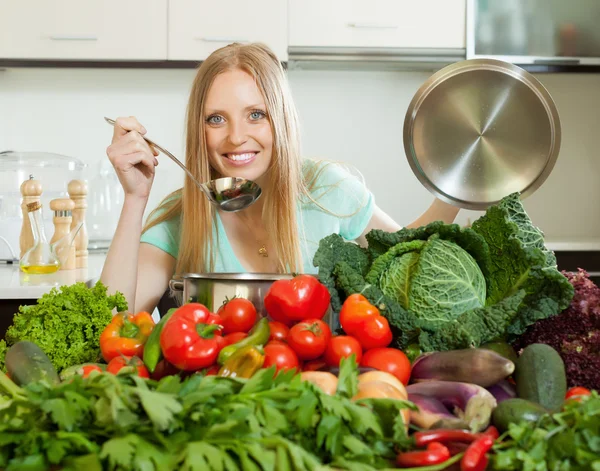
(348, 208)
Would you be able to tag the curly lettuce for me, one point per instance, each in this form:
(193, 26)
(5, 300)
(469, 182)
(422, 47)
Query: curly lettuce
(479, 284)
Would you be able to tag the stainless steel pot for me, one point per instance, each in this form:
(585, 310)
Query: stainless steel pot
(211, 289)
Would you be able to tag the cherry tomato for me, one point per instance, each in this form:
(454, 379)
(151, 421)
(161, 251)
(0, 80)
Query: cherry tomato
(391, 360)
(279, 331)
(87, 369)
(315, 365)
(280, 355)
(237, 315)
(118, 363)
(340, 347)
(577, 392)
(374, 332)
(211, 371)
(309, 339)
(234, 337)
(354, 311)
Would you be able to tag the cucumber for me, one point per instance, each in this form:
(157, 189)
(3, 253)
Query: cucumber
(27, 363)
(516, 410)
(540, 376)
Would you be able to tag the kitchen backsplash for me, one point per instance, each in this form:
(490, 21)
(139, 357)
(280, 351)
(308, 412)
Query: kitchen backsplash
(352, 116)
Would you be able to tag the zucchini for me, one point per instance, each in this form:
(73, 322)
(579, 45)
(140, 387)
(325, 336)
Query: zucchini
(516, 410)
(540, 376)
(27, 363)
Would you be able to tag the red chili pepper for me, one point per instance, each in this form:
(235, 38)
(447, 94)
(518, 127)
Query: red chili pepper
(476, 453)
(482, 466)
(435, 453)
(492, 432)
(444, 436)
(189, 339)
(457, 447)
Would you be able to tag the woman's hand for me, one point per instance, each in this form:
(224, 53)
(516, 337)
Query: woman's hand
(131, 156)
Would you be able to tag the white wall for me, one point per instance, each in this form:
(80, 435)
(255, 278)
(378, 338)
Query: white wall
(355, 116)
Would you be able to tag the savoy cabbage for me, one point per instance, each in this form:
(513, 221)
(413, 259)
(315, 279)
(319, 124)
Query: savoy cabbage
(448, 287)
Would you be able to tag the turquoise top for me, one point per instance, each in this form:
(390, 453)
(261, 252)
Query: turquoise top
(349, 207)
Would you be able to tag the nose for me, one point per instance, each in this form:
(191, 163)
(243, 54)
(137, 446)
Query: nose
(238, 132)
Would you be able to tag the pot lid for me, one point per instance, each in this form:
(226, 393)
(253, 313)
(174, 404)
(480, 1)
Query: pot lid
(12, 160)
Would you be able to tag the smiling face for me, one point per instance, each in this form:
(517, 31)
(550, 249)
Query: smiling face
(239, 138)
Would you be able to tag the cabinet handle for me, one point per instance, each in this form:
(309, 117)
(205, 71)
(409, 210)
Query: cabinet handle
(67, 37)
(217, 39)
(372, 26)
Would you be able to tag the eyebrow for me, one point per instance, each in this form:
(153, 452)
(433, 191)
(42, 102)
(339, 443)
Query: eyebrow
(248, 108)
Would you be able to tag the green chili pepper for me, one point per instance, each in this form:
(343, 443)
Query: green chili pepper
(259, 335)
(152, 352)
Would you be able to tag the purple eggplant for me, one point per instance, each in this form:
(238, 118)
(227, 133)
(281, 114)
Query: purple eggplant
(503, 390)
(432, 414)
(471, 365)
(469, 402)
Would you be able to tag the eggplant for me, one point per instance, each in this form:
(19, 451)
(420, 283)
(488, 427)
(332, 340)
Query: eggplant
(470, 365)
(468, 402)
(432, 414)
(503, 390)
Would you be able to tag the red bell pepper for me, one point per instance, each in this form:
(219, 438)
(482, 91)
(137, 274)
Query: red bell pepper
(302, 297)
(191, 339)
(126, 335)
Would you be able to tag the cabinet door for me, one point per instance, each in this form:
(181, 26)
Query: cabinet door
(83, 30)
(199, 27)
(377, 23)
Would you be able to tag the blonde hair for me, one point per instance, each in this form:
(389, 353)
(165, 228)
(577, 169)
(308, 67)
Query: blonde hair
(285, 183)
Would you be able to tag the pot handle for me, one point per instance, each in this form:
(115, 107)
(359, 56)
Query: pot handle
(176, 285)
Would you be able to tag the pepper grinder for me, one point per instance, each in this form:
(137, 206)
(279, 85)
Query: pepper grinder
(31, 190)
(63, 216)
(78, 191)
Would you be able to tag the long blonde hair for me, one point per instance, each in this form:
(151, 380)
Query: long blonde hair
(285, 183)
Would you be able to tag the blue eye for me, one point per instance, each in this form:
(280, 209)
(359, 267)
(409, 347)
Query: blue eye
(257, 114)
(215, 119)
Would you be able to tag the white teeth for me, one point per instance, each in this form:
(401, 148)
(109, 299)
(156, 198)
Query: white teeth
(241, 157)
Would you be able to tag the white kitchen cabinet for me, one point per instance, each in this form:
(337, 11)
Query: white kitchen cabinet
(377, 23)
(199, 27)
(83, 30)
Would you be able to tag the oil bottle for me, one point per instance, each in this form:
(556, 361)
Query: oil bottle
(41, 258)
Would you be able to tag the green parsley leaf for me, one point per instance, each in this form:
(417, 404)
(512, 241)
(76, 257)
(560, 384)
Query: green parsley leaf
(347, 385)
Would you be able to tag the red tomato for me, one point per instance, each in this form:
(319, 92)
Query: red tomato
(309, 339)
(577, 392)
(87, 369)
(354, 311)
(164, 368)
(136, 364)
(342, 346)
(294, 300)
(212, 371)
(388, 359)
(234, 337)
(279, 331)
(280, 355)
(315, 365)
(374, 332)
(237, 315)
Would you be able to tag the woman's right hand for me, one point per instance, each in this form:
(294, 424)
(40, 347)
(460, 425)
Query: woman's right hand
(131, 156)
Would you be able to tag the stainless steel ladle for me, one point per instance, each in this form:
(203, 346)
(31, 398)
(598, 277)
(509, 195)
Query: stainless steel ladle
(228, 193)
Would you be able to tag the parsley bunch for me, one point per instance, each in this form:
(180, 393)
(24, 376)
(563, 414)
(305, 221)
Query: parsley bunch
(122, 422)
(567, 440)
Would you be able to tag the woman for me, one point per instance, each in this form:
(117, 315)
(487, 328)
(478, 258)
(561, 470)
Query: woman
(241, 122)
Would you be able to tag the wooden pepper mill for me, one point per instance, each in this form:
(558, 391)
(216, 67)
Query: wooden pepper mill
(63, 216)
(31, 190)
(78, 191)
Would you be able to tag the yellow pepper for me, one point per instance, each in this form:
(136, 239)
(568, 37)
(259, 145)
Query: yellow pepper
(243, 363)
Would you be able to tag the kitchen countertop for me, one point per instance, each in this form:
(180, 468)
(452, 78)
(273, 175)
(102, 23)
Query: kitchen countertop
(14, 284)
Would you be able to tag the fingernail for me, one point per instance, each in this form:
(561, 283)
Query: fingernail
(143, 130)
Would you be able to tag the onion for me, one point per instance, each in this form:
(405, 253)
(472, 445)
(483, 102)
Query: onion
(384, 377)
(324, 380)
(384, 390)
